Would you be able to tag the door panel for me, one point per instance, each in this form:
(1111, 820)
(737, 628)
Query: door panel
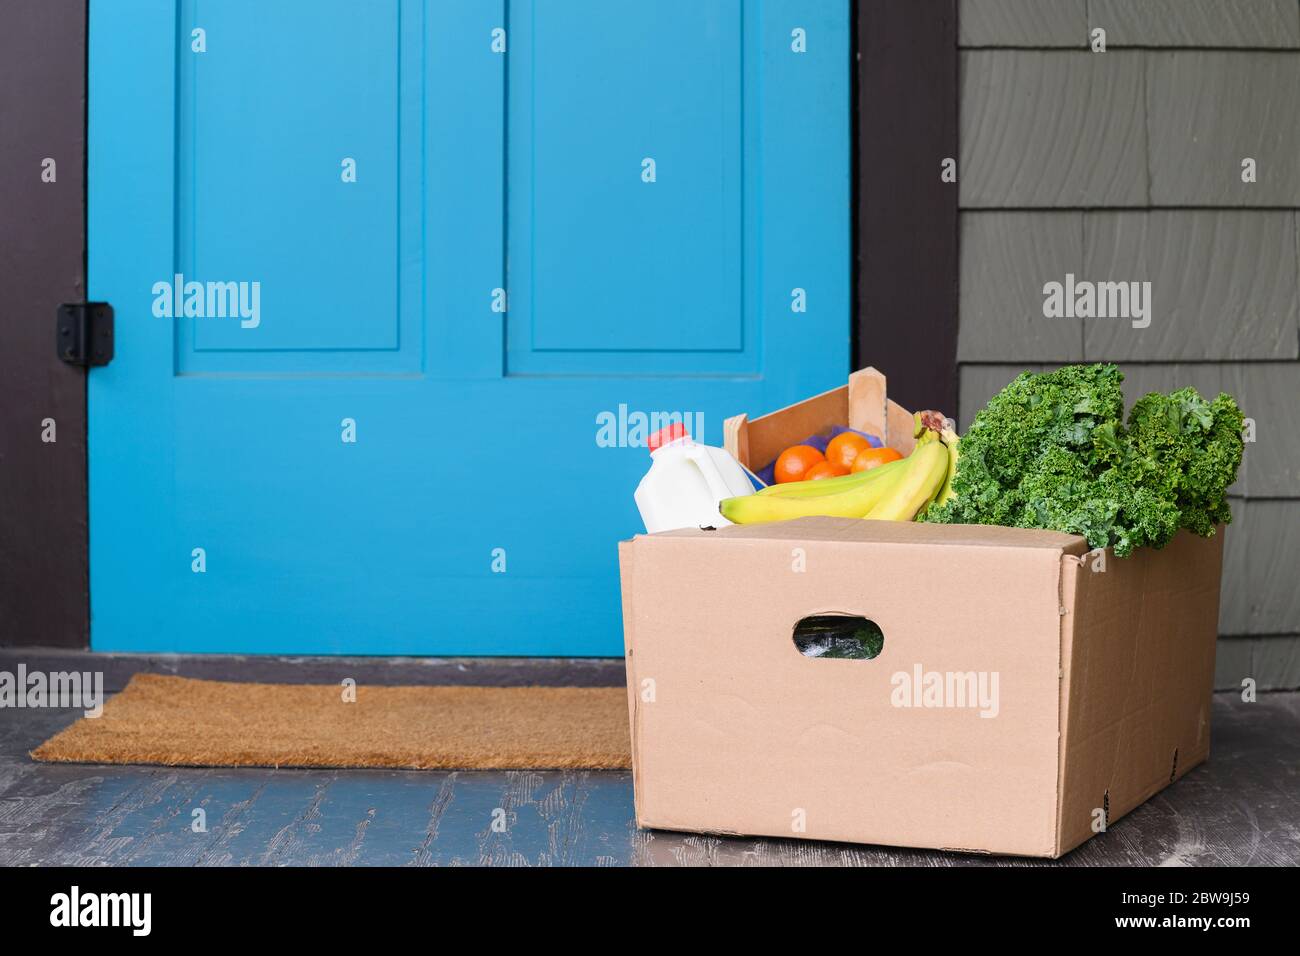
(388, 462)
(631, 117)
(256, 143)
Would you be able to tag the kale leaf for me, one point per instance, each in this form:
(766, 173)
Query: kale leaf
(1052, 451)
(1187, 450)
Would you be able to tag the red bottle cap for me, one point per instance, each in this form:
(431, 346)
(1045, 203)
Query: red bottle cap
(665, 435)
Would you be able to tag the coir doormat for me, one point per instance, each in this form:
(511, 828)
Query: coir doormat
(177, 721)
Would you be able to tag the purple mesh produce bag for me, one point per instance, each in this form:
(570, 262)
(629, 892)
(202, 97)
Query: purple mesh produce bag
(818, 441)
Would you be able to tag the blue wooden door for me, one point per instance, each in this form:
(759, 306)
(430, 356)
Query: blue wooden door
(399, 287)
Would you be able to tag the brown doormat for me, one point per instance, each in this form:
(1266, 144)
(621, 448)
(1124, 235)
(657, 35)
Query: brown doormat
(176, 721)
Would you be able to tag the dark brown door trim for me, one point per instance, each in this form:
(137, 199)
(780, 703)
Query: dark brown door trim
(906, 210)
(44, 599)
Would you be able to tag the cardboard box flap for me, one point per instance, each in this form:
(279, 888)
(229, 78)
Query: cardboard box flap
(886, 532)
(1137, 669)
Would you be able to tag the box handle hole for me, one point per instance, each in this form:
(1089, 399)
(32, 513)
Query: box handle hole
(845, 637)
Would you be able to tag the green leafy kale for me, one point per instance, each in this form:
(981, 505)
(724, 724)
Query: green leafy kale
(1187, 450)
(1053, 451)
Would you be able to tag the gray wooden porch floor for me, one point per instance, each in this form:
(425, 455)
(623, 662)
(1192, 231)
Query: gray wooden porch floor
(1243, 807)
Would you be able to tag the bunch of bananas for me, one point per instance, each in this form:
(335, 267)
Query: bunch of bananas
(898, 491)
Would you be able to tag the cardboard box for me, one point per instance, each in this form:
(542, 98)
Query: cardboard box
(1027, 692)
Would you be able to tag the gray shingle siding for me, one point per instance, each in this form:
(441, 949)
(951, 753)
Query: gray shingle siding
(1052, 128)
(1272, 662)
(1004, 260)
(1065, 24)
(1136, 128)
(1126, 166)
(1197, 23)
(1034, 23)
(1208, 111)
(1224, 284)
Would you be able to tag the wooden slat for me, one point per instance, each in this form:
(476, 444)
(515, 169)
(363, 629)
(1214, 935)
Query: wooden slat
(899, 425)
(769, 435)
(735, 437)
(868, 401)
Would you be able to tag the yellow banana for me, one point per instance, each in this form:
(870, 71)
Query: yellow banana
(930, 425)
(950, 441)
(914, 488)
(853, 502)
(829, 486)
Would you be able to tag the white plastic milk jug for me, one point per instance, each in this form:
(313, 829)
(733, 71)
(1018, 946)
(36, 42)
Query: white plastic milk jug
(686, 481)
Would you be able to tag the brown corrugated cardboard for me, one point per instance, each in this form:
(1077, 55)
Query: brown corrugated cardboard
(1098, 676)
(1137, 670)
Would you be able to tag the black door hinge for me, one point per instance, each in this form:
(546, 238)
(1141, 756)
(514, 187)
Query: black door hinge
(85, 334)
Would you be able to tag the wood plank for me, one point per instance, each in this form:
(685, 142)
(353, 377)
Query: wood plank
(1197, 23)
(43, 583)
(868, 401)
(906, 223)
(1209, 110)
(1055, 128)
